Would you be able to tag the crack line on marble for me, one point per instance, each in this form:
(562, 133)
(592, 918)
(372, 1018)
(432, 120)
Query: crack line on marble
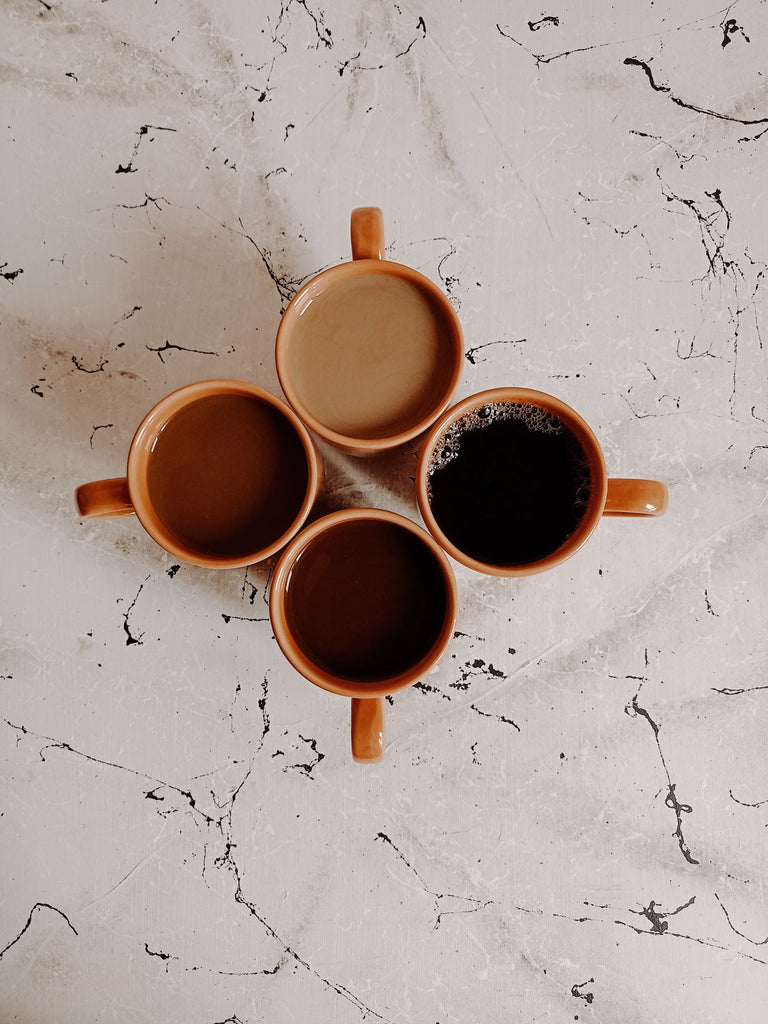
(98, 426)
(10, 275)
(471, 353)
(745, 803)
(735, 930)
(478, 904)
(142, 134)
(227, 861)
(131, 637)
(286, 285)
(52, 743)
(347, 64)
(36, 907)
(169, 346)
(667, 934)
(667, 91)
(633, 709)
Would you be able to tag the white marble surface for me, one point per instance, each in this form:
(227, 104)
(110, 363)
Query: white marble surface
(572, 818)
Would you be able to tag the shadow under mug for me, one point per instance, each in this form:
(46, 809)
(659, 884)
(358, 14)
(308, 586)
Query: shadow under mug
(493, 492)
(363, 603)
(369, 353)
(221, 474)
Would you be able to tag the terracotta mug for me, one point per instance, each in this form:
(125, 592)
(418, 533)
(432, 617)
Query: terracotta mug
(220, 473)
(513, 481)
(363, 604)
(369, 352)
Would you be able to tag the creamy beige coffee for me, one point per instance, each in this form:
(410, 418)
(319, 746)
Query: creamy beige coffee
(371, 354)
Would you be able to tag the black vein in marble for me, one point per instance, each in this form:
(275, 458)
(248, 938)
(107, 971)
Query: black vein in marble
(731, 27)
(549, 20)
(142, 134)
(636, 62)
(10, 275)
(98, 426)
(542, 58)
(243, 618)
(735, 691)
(170, 346)
(735, 930)
(635, 710)
(84, 369)
(306, 767)
(588, 997)
(165, 957)
(497, 718)
(227, 861)
(131, 637)
(656, 919)
(474, 904)
(471, 354)
(286, 285)
(744, 803)
(33, 911)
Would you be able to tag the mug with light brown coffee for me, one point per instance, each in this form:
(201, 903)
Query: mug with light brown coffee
(220, 473)
(513, 481)
(369, 352)
(363, 604)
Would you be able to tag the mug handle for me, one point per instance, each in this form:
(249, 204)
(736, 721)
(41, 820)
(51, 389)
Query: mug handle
(103, 499)
(368, 729)
(367, 233)
(635, 497)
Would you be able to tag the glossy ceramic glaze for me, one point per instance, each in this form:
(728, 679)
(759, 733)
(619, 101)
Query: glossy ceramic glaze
(367, 704)
(120, 496)
(368, 267)
(618, 497)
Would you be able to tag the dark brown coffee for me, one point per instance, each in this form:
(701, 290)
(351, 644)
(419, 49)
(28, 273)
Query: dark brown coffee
(228, 475)
(508, 483)
(366, 600)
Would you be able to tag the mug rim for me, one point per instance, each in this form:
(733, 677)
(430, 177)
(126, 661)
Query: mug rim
(578, 427)
(290, 647)
(347, 442)
(140, 450)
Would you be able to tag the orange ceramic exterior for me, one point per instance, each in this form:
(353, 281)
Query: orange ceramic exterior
(367, 703)
(127, 495)
(367, 236)
(618, 497)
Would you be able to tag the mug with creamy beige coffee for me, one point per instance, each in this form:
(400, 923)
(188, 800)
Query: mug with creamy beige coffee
(369, 352)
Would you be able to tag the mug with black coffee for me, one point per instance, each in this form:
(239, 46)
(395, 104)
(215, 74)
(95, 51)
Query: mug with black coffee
(220, 473)
(513, 481)
(363, 604)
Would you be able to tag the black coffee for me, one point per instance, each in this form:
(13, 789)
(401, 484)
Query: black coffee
(228, 475)
(508, 484)
(366, 600)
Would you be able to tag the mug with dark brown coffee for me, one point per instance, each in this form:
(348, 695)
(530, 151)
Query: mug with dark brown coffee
(513, 481)
(363, 604)
(220, 473)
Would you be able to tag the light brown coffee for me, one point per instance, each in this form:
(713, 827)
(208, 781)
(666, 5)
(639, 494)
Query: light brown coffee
(368, 355)
(228, 475)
